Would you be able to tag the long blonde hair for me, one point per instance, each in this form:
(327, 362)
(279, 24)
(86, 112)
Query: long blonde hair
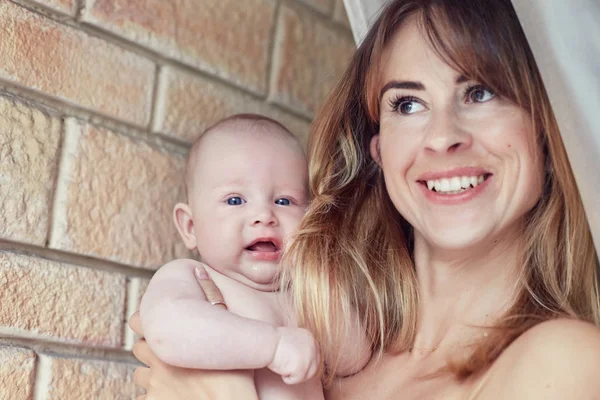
(352, 253)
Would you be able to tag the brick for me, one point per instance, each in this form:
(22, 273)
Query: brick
(323, 6)
(65, 6)
(310, 56)
(227, 38)
(70, 65)
(90, 379)
(115, 198)
(60, 302)
(192, 103)
(29, 140)
(16, 373)
(339, 13)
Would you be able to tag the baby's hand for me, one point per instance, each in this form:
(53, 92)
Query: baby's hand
(296, 358)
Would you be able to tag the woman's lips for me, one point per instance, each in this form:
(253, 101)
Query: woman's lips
(455, 190)
(453, 172)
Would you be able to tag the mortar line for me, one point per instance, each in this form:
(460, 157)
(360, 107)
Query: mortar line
(43, 377)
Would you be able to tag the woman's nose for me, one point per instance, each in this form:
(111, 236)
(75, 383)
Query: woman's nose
(447, 134)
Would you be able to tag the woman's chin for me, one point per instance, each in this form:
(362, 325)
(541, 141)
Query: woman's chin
(467, 240)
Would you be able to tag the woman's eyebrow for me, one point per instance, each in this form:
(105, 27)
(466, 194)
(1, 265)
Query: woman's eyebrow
(412, 85)
(461, 79)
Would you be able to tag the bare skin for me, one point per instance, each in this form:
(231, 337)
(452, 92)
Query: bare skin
(538, 365)
(466, 256)
(164, 381)
(238, 218)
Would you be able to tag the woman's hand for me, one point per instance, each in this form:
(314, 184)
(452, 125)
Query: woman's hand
(165, 382)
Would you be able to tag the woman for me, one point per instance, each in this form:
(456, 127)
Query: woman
(445, 212)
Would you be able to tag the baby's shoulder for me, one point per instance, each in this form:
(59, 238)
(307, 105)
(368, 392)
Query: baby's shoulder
(174, 274)
(555, 359)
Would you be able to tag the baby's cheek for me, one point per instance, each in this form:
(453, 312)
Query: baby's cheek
(293, 222)
(289, 224)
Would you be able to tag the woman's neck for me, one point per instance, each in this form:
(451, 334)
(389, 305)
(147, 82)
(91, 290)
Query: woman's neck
(461, 292)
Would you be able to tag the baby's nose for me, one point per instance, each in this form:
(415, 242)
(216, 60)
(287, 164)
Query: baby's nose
(265, 216)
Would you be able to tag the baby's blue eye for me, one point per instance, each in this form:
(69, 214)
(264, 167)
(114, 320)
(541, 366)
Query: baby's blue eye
(283, 202)
(235, 201)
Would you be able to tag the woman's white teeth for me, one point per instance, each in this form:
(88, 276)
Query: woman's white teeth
(456, 184)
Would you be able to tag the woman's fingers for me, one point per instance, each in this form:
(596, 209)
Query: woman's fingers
(142, 352)
(135, 323)
(141, 377)
(211, 291)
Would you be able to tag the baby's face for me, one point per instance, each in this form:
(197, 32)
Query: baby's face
(247, 197)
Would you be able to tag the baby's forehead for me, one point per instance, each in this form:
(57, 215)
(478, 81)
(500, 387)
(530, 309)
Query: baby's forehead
(241, 138)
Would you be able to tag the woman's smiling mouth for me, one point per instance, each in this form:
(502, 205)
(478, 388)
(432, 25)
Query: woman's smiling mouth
(455, 184)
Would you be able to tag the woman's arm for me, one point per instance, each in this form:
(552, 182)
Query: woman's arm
(165, 382)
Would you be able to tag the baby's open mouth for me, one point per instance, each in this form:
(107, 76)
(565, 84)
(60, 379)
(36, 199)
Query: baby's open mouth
(263, 246)
(455, 184)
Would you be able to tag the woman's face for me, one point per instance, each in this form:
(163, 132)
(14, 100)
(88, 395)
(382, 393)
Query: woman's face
(461, 164)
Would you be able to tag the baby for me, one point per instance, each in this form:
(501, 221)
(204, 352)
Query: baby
(246, 181)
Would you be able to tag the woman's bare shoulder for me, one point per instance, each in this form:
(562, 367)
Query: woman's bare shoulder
(556, 359)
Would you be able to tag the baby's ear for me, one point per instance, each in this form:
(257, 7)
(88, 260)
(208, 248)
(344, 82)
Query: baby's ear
(182, 216)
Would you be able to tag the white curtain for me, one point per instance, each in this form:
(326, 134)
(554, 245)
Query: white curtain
(565, 39)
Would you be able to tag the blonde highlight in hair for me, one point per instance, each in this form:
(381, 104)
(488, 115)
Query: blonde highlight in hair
(353, 249)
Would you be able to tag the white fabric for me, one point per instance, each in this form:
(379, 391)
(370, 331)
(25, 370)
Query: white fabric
(361, 13)
(565, 39)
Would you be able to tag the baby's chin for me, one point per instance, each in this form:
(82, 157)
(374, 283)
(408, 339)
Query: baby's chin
(258, 275)
(271, 286)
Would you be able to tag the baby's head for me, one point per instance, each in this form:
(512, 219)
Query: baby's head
(246, 180)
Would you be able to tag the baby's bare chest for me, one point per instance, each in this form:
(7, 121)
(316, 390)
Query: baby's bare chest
(269, 307)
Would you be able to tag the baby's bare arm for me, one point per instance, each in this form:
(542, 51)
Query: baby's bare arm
(185, 330)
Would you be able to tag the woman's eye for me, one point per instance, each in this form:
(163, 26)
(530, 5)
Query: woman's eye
(479, 94)
(235, 201)
(283, 202)
(407, 105)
